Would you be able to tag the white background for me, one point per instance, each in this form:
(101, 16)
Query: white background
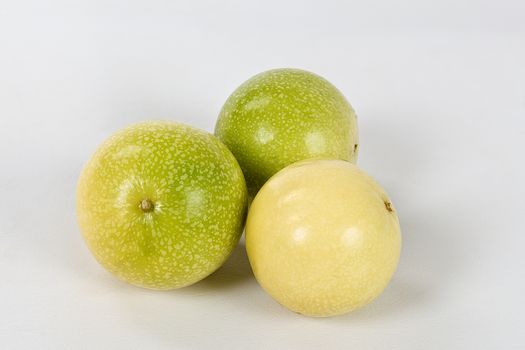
(439, 87)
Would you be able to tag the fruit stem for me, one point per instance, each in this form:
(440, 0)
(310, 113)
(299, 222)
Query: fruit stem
(146, 205)
(388, 206)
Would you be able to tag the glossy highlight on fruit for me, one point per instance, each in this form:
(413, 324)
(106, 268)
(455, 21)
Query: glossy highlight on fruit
(322, 237)
(161, 205)
(282, 116)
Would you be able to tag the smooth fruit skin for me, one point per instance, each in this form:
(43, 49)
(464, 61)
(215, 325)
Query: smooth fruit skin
(282, 116)
(161, 205)
(323, 237)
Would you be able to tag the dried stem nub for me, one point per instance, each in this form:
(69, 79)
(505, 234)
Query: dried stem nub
(146, 205)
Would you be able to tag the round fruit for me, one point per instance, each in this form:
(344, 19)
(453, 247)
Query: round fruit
(282, 116)
(323, 237)
(161, 205)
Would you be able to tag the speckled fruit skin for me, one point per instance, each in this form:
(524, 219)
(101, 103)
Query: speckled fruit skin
(282, 116)
(161, 205)
(323, 237)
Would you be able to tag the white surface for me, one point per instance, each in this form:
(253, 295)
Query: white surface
(439, 87)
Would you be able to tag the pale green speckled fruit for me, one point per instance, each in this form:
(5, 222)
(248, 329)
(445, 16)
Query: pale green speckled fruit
(282, 116)
(161, 205)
